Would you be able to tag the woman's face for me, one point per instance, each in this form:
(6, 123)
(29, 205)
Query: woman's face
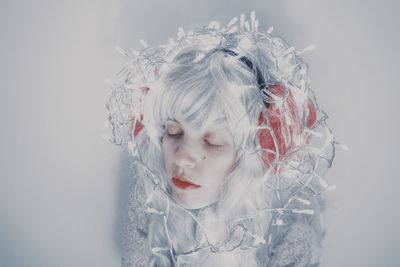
(197, 163)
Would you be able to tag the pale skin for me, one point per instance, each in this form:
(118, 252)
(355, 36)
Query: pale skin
(197, 163)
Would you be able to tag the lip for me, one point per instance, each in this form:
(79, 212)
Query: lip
(183, 183)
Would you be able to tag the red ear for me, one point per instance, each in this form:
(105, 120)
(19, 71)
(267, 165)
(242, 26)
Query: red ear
(139, 126)
(286, 133)
(266, 140)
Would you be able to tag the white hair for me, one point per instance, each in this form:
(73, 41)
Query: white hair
(196, 79)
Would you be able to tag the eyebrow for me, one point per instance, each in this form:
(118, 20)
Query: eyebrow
(217, 133)
(174, 120)
(216, 125)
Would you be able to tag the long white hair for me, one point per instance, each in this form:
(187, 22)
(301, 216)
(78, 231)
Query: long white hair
(201, 79)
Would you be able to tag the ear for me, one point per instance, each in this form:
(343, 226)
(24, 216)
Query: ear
(139, 126)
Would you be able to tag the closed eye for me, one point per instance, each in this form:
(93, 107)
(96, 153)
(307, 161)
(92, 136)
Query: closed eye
(211, 144)
(174, 134)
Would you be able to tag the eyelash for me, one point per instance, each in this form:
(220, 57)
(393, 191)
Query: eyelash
(212, 145)
(174, 135)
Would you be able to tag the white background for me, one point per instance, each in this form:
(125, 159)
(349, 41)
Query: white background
(62, 187)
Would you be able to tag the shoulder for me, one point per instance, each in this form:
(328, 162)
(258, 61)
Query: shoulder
(136, 251)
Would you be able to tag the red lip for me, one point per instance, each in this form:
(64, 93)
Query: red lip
(183, 183)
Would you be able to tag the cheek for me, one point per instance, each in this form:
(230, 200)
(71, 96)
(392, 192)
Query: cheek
(168, 153)
(221, 166)
(229, 161)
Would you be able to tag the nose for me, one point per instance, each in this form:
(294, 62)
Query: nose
(187, 155)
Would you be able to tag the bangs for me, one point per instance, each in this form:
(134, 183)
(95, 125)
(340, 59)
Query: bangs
(191, 95)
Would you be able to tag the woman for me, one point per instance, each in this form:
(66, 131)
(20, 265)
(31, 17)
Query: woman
(229, 149)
